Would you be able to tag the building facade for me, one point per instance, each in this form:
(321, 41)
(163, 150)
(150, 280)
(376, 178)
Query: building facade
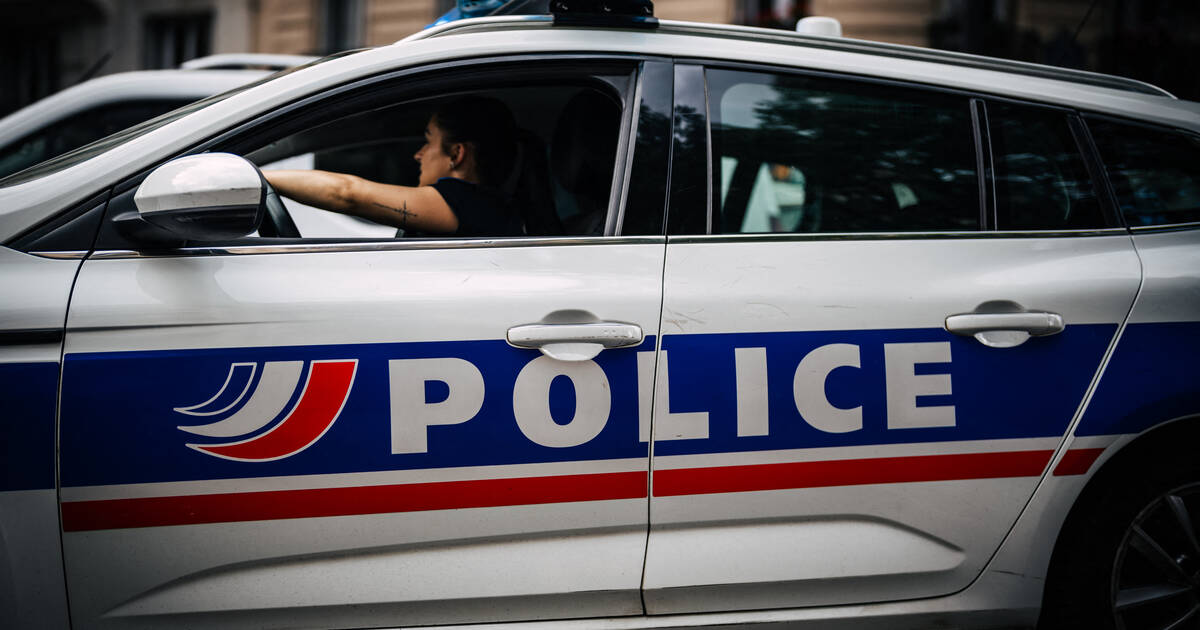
(47, 46)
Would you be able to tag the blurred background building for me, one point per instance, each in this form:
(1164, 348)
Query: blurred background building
(51, 44)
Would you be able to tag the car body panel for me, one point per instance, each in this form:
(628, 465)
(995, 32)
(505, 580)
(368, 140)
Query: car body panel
(363, 527)
(839, 474)
(36, 290)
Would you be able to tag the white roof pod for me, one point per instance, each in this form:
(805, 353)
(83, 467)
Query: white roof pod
(820, 26)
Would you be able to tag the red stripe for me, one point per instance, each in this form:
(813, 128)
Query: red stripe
(282, 504)
(849, 472)
(1077, 461)
(326, 391)
(256, 506)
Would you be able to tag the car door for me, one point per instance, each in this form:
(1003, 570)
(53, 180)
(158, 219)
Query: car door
(37, 269)
(874, 343)
(337, 433)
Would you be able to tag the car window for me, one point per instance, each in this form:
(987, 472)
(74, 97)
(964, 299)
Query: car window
(559, 181)
(1154, 173)
(78, 130)
(812, 154)
(1041, 179)
(88, 151)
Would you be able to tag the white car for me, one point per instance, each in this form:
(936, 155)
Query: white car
(99, 107)
(807, 332)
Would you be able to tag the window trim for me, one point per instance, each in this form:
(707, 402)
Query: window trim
(985, 163)
(886, 236)
(437, 77)
(719, 64)
(1110, 190)
(373, 246)
(1087, 149)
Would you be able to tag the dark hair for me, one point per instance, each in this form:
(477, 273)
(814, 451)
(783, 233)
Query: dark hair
(487, 124)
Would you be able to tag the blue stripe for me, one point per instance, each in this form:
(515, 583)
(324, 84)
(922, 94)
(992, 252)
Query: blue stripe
(1152, 377)
(119, 425)
(1029, 391)
(27, 397)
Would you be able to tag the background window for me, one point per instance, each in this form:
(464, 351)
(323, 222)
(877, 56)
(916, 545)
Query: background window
(1041, 180)
(173, 39)
(342, 26)
(1155, 174)
(806, 154)
(79, 130)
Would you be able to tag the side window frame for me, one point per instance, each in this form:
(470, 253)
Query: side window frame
(412, 83)
(978, 129)
(1086, 151)
(1113, 203)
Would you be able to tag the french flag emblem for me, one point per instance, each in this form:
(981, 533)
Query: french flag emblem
(244, 410)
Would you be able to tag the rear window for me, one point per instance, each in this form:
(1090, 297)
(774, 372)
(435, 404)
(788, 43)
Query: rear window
(812, 154)
(1041, 179)
(1155, 173)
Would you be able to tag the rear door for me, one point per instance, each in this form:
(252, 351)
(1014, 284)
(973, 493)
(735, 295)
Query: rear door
(323, 432)
(874, 343)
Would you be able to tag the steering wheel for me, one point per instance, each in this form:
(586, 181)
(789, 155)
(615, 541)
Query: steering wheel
(277, 222)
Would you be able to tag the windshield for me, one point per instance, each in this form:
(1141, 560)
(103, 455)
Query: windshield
(88, 151)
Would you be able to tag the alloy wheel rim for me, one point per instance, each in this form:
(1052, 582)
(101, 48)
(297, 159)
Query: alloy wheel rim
(1156, 576)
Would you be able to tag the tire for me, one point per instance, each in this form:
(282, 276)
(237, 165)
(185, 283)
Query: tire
(1129, 557)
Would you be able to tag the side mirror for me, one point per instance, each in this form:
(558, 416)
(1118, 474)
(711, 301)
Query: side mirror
(204, 197)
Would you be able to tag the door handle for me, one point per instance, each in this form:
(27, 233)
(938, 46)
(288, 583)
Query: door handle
(575, 342)
(1004, 324)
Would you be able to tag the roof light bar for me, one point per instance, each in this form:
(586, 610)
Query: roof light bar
(612, 13)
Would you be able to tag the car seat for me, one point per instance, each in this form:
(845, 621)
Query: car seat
(584, 152)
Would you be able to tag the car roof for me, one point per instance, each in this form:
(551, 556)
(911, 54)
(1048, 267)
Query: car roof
(28, 202)
(839, 43)
(182, 85)
(251, 61)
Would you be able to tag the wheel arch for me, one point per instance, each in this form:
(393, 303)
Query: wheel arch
(1170, 441)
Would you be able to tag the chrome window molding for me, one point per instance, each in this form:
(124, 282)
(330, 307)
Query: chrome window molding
(1169, 227)
(623, 169)
(376, 246)
(888, 236)
(71, 255)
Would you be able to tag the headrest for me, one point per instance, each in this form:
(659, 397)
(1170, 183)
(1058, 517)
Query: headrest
(585, 143)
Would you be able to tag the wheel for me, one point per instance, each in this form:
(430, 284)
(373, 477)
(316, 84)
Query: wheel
(277, 222)
(1155, 581)
(1129, 556)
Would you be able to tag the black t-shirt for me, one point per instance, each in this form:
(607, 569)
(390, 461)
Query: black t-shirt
(481, 211)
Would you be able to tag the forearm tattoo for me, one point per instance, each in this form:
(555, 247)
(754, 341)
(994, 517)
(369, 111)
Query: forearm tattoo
(403, 211)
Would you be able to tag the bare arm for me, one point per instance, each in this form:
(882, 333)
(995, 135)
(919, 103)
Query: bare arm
(420, 208)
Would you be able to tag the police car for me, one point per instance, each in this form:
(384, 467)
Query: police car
(809, 332)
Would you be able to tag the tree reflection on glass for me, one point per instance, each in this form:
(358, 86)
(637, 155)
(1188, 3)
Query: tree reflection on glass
(871, 157)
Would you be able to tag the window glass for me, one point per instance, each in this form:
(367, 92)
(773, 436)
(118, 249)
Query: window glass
(1041, 179)
(78, 130)
(810, 154)
(558, 183)
(1154, 173)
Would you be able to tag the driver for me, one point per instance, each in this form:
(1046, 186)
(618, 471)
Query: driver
(470, 145)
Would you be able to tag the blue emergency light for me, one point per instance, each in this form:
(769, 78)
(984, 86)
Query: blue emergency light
(612, 13)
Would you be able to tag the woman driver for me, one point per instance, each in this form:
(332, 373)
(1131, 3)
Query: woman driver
(470, 144)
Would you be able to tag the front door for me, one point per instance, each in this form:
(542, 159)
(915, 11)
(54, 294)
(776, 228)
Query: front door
(337, 433)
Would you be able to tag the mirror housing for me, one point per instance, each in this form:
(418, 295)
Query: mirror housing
(204, 197)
